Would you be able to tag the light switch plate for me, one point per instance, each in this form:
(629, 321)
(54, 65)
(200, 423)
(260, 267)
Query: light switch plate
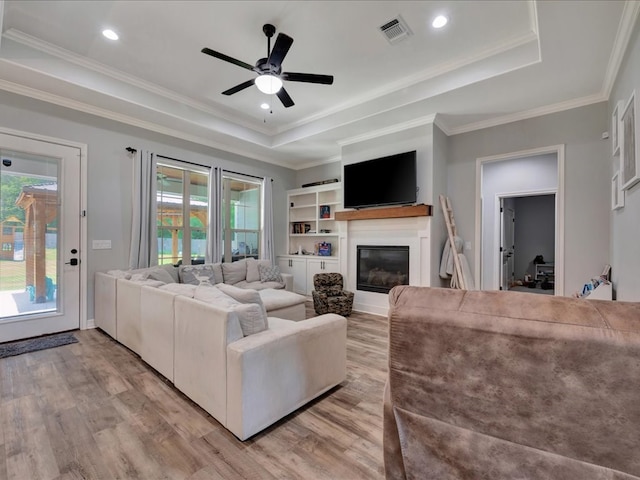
(101, 244)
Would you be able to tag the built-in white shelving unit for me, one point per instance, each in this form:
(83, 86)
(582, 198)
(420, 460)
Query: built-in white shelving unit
(312, 223)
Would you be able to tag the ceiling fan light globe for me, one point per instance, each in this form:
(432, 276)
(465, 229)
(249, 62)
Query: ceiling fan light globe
(268, 84)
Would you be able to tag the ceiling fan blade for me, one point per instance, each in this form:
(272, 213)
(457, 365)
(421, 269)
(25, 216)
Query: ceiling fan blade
(307, 77)
(238, 88)
(227, 58)
(279, 51)
(285, 98)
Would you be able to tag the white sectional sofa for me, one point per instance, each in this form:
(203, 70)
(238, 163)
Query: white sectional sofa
(245, 382)
(117, 294)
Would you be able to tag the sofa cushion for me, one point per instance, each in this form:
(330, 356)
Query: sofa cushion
(242, 295)
(211, 294)
(185, 289)
(253, 274)
(270, 273)
(276, 299)
(252, 316)
(193, 274)
(160, 274)
(147, 281)
(120, 274)
(234, 272)
(259, 285)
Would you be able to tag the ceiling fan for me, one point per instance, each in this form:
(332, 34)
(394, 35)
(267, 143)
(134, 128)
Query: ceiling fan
(269, 70)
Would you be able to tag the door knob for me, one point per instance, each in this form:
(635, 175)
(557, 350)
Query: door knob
(73, 262)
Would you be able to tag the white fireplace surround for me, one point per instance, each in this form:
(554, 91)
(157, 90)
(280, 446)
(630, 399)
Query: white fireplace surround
(412, 232)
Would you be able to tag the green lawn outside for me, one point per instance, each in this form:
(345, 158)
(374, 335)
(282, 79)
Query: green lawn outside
(12, 274)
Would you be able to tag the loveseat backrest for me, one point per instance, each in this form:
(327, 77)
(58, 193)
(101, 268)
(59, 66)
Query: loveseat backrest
(518, 372)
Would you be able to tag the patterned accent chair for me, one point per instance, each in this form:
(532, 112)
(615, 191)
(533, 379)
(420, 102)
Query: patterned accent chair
(329, 295)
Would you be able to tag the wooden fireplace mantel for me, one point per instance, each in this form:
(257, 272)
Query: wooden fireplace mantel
(421, 210)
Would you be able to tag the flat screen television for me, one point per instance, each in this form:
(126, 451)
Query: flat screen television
(382, 181)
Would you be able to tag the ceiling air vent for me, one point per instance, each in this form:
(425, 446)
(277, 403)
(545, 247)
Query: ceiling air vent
(395, 30)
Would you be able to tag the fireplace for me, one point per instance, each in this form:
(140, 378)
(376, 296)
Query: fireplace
(382, 267)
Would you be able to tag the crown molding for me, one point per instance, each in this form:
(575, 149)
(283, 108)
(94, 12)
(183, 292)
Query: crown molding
(135, 122)
(536, 112)
(442, 125)
(84, 62)
(623, 36)
(420, 77)
(398, 127)
(335, 158)
(535, 27)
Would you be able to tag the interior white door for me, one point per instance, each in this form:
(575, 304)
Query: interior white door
(40, 257)
(507, 245)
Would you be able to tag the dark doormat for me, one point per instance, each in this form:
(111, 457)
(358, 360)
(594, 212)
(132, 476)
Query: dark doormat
(35, 344)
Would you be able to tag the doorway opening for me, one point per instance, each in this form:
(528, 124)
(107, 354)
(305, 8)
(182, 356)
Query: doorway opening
(527, 243)
(529, 173)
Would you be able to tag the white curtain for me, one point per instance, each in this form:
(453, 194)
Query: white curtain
(214, 237)
(143, 252)
(267, 247)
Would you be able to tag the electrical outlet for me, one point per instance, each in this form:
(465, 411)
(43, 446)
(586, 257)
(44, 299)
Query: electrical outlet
(467, 245)
(101, 244)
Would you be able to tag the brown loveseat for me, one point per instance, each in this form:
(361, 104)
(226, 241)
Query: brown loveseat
(507, 385)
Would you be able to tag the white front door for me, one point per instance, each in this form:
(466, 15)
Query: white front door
(40, 237)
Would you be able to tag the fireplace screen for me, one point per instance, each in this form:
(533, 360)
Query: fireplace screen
(381, 267)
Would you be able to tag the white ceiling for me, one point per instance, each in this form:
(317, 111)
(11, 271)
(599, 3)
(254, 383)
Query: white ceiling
(496, 61)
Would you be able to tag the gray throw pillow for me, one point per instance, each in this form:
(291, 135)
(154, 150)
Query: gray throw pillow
(234, 272)
(253, 274)
(161, 275)
(270, 273)
(194, 274)
(242, 295)
(173, 271)
(252, 318)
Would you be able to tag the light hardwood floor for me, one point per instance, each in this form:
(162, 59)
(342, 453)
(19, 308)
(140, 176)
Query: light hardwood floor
(94, 410)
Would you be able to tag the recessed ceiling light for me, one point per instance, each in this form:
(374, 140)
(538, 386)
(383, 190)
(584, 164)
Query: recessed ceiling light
(440, 21)
(110, 34)
(264, 106)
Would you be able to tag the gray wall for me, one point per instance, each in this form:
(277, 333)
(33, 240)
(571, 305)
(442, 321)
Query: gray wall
(109, 184)
(441, 145)
(534, 231)
(587, 180)
(319, 173)
(625, 222)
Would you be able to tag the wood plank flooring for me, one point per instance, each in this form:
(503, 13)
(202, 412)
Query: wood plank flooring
(94, 410)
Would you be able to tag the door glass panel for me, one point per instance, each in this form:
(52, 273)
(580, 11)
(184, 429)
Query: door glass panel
(29, 234)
